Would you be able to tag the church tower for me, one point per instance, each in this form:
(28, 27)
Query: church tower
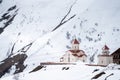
(104, 58)
(75, 45)
(74, 54)
(105, 50)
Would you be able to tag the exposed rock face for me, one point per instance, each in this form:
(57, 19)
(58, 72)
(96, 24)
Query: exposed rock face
(7, 18)
(17, 60)
(98, 75)
(0, 1)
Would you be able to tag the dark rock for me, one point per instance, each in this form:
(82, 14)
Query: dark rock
(9, 62)
(98, 75)
(95, 70)
(37, 68)
(1, 30)
(0, 1)
(12, 8)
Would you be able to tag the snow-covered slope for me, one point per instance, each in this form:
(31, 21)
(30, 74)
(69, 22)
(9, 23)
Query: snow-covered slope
(74, 72)
(34, 19)
(94, 23)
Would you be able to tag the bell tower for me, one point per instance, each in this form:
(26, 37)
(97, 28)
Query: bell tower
(105, 58)
(105, 50)
(75, 44)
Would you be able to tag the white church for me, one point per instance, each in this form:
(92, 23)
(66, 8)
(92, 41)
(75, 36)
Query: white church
(105, 58)
(74, 54)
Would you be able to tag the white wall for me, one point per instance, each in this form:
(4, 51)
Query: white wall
(75, 46)
(68, 57)
(105, 60)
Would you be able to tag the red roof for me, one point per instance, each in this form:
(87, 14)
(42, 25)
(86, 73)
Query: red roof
(75, 41)
(74, 53)
(105, 47)
(78, 55)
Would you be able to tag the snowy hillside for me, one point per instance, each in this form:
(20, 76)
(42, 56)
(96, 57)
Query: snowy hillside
(42, 30)
(74, 72)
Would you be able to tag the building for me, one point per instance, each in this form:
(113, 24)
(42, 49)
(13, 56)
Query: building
(74, 54)
(105, 58)
(116, 56)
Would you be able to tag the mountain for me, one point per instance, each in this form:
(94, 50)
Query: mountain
(42, 30)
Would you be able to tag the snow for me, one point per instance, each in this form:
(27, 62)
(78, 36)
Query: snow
(37, 18)
(75, 72)
(38, 24)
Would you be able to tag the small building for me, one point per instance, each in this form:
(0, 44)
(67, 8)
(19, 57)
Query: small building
(105, 58)
(116, 56)
(74, 54)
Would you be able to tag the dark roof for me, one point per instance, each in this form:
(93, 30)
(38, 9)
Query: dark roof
(105, 47)
(75, 41)
(75, 53)
(116, 52)
(78, 55)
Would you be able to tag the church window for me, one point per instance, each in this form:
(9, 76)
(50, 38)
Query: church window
(101, 61)
(83, 60)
